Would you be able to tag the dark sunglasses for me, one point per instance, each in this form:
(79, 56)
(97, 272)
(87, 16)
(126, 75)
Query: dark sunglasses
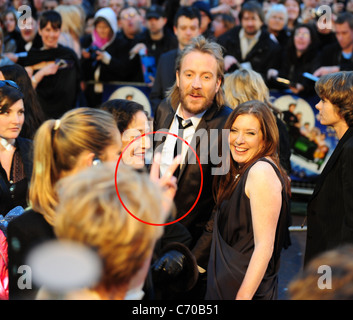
(10, 83)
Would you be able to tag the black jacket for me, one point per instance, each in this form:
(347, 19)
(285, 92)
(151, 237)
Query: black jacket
(57, 93)
(293, 68)
(157, 48)
(121, 67)
(189, 180)
(264, 55)
(330, 209)
(332, 56)
(7, 202)
(24, 233)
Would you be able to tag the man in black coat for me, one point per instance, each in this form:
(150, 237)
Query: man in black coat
(156, 39)
(187, 24)
(330, 208)
(196, 101)
(338, 56)
(250, 43)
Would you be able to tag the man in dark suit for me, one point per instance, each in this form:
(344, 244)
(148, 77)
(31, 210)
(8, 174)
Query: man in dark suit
(195, 102)
(187, 24)
(330, 209)
(249, 45)
(156, 39)
(338, 56)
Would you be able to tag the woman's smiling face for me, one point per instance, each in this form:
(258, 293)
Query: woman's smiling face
(135, 153)
(50, 36)
(245, 139)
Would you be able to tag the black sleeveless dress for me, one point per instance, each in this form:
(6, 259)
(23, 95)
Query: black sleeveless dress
(233, 245)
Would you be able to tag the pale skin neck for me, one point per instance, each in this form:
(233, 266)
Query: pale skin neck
(83, 160)
(299, 53)
(274, 32)
(348, 50)
(186, 115)
(47, 48)
(6, 156)
(181, 47)
(9, 141)
(290, 23)
(340, 128)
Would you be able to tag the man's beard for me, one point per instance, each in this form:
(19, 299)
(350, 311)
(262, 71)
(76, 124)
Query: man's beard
(195, 108)
(250, 32)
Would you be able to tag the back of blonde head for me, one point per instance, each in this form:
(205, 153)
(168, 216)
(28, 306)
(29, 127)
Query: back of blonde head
(245, 85)
(91, 213)
(73, 18)
(57, 150)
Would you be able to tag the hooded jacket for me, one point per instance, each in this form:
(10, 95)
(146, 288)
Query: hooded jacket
(118, 67)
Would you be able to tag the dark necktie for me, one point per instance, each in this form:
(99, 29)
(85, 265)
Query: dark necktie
(179, 142)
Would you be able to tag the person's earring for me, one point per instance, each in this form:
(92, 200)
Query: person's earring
(96, 161)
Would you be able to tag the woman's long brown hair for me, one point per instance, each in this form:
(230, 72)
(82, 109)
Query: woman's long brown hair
(224, 185)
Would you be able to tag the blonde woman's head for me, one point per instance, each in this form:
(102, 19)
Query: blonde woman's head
(91, 213)
(72, 19)
(245, 85)
(60, 147)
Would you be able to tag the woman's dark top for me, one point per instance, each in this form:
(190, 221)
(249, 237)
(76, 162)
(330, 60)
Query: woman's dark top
(233, 246)
(14, 191)
(56, 93)
(24, 233)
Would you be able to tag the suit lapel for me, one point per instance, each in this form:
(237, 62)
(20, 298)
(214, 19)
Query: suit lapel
(331, 162)
(164, 125)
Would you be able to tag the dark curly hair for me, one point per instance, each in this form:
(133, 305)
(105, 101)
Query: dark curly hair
(123, 111)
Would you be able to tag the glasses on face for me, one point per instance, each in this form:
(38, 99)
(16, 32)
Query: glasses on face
(305, 35)
(10, 83)
(130, 15)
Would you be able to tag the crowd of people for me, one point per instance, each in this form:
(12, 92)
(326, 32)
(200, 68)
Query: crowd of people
(207, 215)
(111, 40)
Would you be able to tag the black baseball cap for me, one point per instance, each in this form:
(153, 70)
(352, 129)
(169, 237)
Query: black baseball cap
(155, 11)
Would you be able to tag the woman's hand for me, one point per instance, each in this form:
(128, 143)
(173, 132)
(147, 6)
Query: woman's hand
(229, 61)
(136, 49)
(49, 69)
(297, 88)
(103, 56)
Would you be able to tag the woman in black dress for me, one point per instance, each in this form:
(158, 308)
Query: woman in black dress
(251, 209)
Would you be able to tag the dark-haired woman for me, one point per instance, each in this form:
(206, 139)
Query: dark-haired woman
(300, 56)
(15, 152)
(174, 268)
(34, 115)
(55, 69)
(132, 122)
